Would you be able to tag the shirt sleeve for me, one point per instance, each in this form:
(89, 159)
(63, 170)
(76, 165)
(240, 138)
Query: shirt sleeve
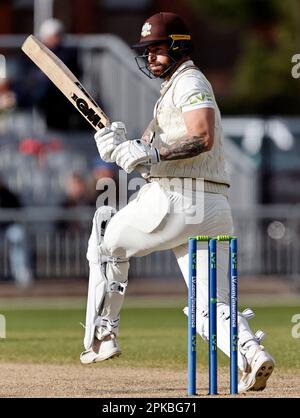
(191, 92)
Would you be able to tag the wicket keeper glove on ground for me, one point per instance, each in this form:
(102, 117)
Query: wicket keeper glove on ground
(129, 154)
(107, 139)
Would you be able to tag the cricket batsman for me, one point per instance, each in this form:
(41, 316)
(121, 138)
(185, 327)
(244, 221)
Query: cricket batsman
(183, 146)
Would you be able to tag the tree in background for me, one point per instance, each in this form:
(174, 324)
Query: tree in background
(269, 37)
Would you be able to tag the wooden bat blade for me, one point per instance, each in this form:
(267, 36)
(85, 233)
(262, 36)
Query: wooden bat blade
(65, 81)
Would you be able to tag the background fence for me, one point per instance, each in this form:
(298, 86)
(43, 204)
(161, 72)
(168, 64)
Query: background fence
(55, 242)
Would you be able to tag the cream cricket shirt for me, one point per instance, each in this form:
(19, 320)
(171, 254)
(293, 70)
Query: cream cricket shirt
(188, 89)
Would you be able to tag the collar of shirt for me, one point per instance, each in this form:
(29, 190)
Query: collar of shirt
(165, 84)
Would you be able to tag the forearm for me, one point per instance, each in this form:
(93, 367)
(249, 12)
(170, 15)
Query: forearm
(187, 147)
(148, 134)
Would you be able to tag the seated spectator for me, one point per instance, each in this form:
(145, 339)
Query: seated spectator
(33, 88)
(76, 195)
(15, 234)
(76, 191)
(102, 170)
(7, 96)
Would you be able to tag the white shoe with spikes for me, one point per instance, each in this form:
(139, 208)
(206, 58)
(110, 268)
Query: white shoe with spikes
(260, 368)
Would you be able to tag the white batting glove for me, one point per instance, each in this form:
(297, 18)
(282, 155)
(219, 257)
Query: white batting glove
(107, 139)
(129, 154)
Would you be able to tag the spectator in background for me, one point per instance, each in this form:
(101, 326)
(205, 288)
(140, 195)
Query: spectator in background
(15, 235)
(76, 195)
(102, 170)
(76, 191)
(33, 88)
(7, 96)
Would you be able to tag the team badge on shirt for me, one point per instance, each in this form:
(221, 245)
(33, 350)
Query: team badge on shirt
(200, 98)
(146, 29)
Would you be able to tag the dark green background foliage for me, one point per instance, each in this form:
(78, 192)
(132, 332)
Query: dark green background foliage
(268, 34)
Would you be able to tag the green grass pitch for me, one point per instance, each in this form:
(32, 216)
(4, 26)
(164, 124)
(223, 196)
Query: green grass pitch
(151, 335)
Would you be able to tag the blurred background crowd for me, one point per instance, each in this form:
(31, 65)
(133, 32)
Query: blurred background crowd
(49, 166)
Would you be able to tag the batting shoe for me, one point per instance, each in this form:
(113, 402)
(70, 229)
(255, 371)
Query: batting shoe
(101, 350)
(260, 367)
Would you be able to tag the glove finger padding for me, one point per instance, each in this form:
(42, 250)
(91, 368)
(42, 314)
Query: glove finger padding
(108, 138)
(120, 129)
(129, 154)
(102, 132)
(117, 127)
(106, 145)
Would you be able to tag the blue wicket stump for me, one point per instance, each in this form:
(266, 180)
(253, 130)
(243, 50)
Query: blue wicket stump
(212, 309)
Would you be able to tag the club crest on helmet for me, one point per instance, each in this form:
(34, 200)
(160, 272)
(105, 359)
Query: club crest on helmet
(146, 29)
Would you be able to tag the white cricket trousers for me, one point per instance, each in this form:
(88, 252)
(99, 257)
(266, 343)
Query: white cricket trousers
(159, 219)
(127, 235)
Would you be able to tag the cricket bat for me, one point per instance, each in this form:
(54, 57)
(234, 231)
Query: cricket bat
(65, 81)
(68, 84)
